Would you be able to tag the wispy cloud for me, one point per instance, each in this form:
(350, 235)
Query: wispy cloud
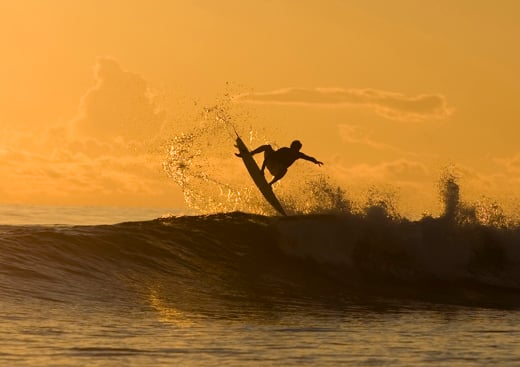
(77, 177)
(353, 134)
(391, 105)
(398, 171)
(511, 163)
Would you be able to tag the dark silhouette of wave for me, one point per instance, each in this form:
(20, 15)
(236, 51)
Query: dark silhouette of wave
(243, 261)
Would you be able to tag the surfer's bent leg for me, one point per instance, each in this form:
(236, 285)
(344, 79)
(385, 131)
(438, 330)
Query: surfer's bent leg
(268, 153)
(278, 176)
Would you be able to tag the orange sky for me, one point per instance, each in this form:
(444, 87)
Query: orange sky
(385, 93)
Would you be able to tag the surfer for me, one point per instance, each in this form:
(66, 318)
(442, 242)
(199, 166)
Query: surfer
(278, 161)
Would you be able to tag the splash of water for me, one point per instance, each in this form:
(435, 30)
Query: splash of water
(201, 161)
(483, 211)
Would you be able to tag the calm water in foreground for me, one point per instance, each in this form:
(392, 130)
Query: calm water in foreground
(199, 291)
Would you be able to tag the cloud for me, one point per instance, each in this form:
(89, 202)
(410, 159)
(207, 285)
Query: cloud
(511, 164)
(120, 104)
(353, 134)
(104, 156)
(77, 178)
(391, 105)
(399, 171)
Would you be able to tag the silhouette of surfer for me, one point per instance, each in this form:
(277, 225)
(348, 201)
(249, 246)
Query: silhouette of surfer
(278, 161)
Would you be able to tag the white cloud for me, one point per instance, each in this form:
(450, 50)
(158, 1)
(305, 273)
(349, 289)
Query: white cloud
(398, 171)
(120, 104)
(391, 105)
(353, 134)
(511, 164)
(102, 157)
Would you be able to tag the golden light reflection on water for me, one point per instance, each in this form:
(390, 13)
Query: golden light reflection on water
(168, 314)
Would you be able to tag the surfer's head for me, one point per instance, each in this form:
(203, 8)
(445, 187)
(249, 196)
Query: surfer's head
(296, 145)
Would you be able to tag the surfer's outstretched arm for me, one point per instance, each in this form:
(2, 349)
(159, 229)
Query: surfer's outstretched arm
(310, 159)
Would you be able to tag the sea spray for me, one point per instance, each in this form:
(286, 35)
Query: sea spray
(200, 159)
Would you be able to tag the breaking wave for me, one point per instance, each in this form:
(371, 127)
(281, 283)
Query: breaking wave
(238, 261)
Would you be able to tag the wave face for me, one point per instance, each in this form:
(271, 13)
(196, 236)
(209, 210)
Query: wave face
(241, 261)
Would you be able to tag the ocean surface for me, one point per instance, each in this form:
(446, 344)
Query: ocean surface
(121, 287)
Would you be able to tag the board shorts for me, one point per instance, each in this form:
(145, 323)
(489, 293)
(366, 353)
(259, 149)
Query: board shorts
(276, 168)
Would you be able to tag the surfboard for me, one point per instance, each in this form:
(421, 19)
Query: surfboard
(258, 177)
